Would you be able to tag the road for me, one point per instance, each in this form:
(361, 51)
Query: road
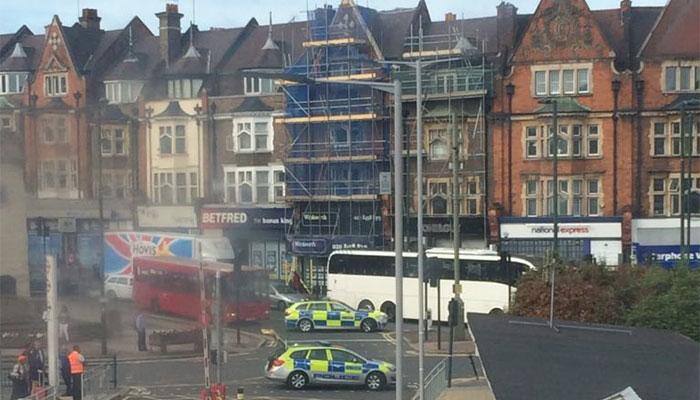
(182, 379)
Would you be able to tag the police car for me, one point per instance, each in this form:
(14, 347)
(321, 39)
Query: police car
(309, 315)
(301, 365)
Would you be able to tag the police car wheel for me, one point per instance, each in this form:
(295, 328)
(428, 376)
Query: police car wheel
(305, 325)
(368, 325)
(297, 380)
(375, 381)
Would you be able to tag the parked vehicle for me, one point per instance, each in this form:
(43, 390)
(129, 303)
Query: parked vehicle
(283, 296)
(309, 315)
(119, 287)
(301, 365)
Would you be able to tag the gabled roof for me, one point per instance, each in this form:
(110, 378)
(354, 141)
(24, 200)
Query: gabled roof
(173, 110)
(17, 60)
(525, 359)
(561, 29)
(676, 32)
(252, 104)
(140, 64)
(392, 28)
(610, 22)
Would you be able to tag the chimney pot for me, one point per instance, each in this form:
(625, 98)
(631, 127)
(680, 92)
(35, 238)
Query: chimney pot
(450, 17)
(90, 19)
(171, 8)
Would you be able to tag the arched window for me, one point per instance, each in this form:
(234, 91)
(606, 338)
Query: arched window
(438, 197)
(244, 136)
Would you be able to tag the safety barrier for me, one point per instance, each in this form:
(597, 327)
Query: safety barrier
(100, 381)
(44, 393)
(436, 380)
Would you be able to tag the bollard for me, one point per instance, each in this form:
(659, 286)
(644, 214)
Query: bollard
(240, 395)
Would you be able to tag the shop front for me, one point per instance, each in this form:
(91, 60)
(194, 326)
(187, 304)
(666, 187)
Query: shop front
(581, 239)
(437, 232)
(257, 234)
(656, 241)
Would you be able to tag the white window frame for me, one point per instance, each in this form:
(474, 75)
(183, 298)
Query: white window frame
(544, 76)
(192, 186)
(670, 193)
(257, 86)
(50, 167)
(112, 182)
(236, 177)
(16, 79)
(443, 194)
(573, 190)
(248, 125)
(438, 135)
(680, 66)
(122, 92)
(672, 137)
(567, 139)
(187, 88)
(56, 84)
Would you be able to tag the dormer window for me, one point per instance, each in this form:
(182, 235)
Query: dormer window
(183, 88)
(12, 82)
(252, 85)
(122, 91)
(55, 84)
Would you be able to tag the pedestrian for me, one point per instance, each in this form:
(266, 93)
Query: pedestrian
(37, 364)
(140, 326)
(20, 378)
(77, 367)
(63, 320)
(65, 371)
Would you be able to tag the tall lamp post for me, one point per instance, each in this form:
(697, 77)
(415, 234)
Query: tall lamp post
(554, 149)
(101, 104)
(686, 183)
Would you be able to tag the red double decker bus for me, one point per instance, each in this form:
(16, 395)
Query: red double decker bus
(171, 285)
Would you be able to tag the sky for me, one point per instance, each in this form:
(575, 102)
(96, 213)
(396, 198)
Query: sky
(231, 13)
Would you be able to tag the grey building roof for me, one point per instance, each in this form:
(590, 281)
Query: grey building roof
(527, 361)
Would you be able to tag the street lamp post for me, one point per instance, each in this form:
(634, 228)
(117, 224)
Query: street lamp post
(686, 183)
(554, 148)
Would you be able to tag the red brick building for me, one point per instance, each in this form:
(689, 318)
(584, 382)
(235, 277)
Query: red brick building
(593, 64)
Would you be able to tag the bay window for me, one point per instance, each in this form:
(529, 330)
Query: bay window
(13, 82)
(175, 187)
(172, 140)
(183, 88)
(252, 135)
(119, 92)
(254, 185)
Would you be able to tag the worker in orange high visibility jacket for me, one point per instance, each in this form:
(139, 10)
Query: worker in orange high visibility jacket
(77, 367)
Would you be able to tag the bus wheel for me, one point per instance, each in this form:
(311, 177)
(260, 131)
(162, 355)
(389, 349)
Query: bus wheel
(365, 305)
(375, 381)
(389, 309)
(155, 307)
(496, 311)
(297, 380)
(305, 325)
(368, 325)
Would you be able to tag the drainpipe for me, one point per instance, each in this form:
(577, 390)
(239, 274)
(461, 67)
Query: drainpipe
(639, 91)
(616, 93)
(510, 90)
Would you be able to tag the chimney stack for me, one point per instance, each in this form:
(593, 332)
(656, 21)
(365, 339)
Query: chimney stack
(170, 33)
(450, 17)
(506, 14)
(90, 20)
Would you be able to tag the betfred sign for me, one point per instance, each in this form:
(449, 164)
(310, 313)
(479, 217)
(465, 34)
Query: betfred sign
(571, 230)
(223, 217)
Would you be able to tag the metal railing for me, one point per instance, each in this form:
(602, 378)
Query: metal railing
(100, 381)
(436, 380)
(44, 393)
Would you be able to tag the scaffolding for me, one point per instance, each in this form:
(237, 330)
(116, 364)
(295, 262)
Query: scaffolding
(455, 89)
(338, 137)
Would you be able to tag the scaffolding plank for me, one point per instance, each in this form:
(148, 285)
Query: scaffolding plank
(353, 77)
(429, 53)
(303, 160)
(332, 42)
(326, 118)
(332, 198)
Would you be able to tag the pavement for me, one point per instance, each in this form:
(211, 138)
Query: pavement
(468, 388)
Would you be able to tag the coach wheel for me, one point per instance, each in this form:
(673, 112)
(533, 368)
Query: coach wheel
(389, 309)
(306, 325)
(496, 311)
(365, 305)
(297, 380)
(375, 381)
(368, 325)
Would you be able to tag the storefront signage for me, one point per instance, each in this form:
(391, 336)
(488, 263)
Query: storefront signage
(352, 243)
(442, 226)
(667, 256)
(587, 230)
(309, 246)
(222, 218)
(167, 217)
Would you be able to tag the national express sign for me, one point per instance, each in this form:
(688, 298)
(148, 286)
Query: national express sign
(573, 230)
(224, 217)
